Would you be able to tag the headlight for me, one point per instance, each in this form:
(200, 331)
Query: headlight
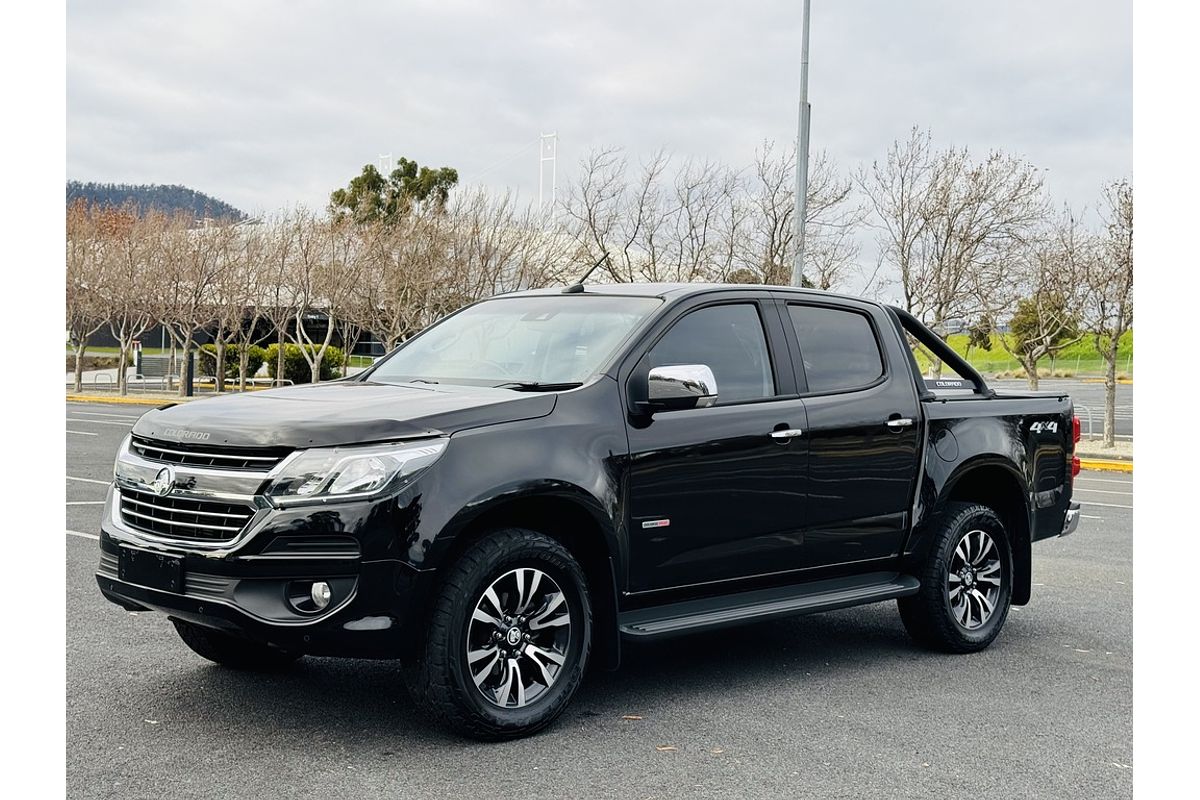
(330, 474)
(124, 448)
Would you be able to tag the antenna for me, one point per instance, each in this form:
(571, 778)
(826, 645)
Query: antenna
(548, 153)
(576, 288)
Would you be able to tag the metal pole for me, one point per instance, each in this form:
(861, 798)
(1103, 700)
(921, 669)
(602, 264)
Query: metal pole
(548, 151)
(189, 377)
(802, 156)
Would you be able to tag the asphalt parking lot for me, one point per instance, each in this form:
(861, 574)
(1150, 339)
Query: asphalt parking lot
(834, 705)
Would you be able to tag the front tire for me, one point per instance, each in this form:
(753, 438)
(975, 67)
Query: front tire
(232, 651)
(966, 582)
(508, 640)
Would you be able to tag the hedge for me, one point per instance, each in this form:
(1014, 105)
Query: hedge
(295, 367)
(207, 360)
(93, 362)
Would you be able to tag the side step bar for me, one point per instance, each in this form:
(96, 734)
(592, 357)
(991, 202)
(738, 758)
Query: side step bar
(711, 613)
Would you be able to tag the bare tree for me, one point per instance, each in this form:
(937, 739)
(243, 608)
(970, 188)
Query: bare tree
(276, 296)
(229, 297)
(491, 245)
(129, 279)
(249, 285)
(610, 215)
(86, 309)
(323, 276)
(832, 216)
(189, 264)
(395, 273)
(655, 227)
(950, 226)
(1047, 294)
(705, 212)
(1109, 309)
(896, 190)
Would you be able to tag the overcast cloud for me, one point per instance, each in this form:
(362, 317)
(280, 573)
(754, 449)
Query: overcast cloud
(267, 104)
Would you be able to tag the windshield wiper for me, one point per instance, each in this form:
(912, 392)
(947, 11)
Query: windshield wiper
(537, 386)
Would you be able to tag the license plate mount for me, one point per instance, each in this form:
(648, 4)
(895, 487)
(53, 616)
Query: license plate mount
(150, 569)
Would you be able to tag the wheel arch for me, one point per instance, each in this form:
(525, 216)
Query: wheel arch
(999, 485)
(575, 520)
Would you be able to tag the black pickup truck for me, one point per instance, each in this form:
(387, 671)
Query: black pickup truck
(542, 476)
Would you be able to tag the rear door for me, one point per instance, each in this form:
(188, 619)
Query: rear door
(863, 430)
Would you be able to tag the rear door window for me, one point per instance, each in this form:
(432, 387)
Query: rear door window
(838, 348)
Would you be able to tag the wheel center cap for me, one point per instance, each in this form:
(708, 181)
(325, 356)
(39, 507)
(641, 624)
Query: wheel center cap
(513, 636)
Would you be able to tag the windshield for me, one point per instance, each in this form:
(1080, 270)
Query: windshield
(539, 342)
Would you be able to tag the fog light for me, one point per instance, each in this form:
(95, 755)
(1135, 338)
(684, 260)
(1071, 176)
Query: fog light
(321, 594)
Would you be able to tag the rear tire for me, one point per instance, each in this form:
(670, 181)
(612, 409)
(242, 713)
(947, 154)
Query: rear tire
(966, 582)
(508, 640)
(232, 651)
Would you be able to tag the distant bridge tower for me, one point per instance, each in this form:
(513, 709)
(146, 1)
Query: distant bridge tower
(385, 164)
(548, 154)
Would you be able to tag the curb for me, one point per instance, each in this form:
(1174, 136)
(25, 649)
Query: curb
(1122, 381)
(1105, 465)
(118, 400)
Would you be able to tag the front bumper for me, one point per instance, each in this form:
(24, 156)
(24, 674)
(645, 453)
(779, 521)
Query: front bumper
(1072, 520)
(367, 622)
(247, 589)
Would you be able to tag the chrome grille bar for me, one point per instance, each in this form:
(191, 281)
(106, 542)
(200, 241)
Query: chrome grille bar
(248, 459)
(175, 524)
(242, 517)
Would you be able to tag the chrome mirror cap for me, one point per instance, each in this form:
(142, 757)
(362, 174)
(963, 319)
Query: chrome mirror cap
(682, 386)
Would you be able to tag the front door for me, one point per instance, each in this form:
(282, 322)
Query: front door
(713, 495)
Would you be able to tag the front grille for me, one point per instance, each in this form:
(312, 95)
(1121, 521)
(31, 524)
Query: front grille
(251, 459)
(184, 517)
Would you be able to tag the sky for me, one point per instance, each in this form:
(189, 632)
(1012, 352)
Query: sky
(269, 104)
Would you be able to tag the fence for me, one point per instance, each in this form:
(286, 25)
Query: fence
(1091, 421)
(159, 373)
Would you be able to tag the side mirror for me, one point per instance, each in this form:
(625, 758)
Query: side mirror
(681, 386)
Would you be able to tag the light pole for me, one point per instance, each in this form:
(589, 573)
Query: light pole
(802, 156)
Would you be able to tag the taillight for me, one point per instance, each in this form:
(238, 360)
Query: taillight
(1075, 432)
(1074, 466)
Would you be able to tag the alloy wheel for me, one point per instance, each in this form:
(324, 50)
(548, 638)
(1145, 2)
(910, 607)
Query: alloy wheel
(518, 637)
(973, 579)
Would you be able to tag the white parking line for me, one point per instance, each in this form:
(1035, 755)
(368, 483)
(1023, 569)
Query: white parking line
(1103, 480)
(85, 502)
(83, 433)
(1102, 505)
(87, 480)
(99, 422)
(98, 414)
(1099, 491)
(1089, 516)
(84, 535)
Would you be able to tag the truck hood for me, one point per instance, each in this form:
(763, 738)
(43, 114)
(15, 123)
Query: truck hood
(339, 413)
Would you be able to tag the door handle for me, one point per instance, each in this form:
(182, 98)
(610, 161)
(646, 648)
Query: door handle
(897, 424)
(784, 435)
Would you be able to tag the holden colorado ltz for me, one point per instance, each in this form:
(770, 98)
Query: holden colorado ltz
(540, 477)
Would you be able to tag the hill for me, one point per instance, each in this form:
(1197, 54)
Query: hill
(153, 197)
